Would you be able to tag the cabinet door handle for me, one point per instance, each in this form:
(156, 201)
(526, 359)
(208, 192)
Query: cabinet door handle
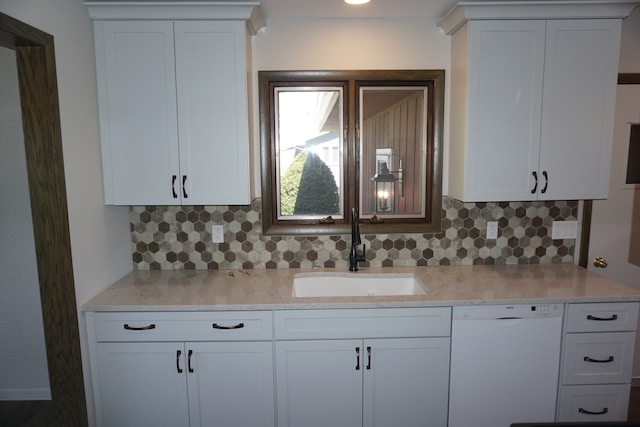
(585, 411)
(238, 326)
(184, 191)
(535, 185)
(602, 319)
(178, 354)
(173, 186)
(607, 360)
(139, 328)
(546, 182)
(368, 357)
(357, 358)
(189, 368)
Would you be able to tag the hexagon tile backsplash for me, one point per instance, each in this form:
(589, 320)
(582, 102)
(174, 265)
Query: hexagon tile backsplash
(179, 237)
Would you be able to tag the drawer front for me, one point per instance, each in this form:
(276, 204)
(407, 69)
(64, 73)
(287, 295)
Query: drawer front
(184, 326)
(363, 323)
(598, 358)
(602, 317)
(593, 403)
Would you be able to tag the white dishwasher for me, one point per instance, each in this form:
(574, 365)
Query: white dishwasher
(504, 364)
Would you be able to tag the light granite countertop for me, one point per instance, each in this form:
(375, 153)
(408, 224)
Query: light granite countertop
(202, 290)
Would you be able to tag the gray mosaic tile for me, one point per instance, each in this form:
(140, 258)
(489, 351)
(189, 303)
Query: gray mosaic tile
(179, 237)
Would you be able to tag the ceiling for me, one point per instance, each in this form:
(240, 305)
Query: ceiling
(338, 9)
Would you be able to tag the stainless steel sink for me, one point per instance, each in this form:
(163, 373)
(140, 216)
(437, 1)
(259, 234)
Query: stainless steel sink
(356, 285)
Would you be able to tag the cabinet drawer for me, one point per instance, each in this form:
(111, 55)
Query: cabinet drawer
(598, 358)
(184, 326)
(593, 402)
(363, 323)
(602, 317)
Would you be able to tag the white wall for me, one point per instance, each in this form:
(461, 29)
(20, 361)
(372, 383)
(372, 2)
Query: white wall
(100, 236)
(23, 359)
(630, 49)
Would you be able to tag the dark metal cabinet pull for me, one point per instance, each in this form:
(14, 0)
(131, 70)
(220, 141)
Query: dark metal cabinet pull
(368, 357)
(178, 354)
(546, 182)
(189, 368)
(602, 319)
(139, 328)
(607, 360)
(357, 358)
(535, 185)
(238, 326)
(585, 411)
(173, 186)
(184, 191)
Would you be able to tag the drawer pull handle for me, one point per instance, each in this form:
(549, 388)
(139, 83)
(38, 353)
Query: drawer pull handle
(357, 358)
(178, 354)
(139, 328)
(238, 326)
(588, 359)
(585, 411)
(189, 368)
(535, 185)
(603, 319)
(368, 357)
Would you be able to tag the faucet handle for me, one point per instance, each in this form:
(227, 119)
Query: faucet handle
(364, 252)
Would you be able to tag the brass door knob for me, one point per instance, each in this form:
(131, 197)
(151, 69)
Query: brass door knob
(600, 262)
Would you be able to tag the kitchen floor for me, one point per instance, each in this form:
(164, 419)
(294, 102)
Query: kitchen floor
(634, 404)
(28, 413)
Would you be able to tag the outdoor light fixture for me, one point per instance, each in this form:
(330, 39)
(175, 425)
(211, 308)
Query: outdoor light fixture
(385, 188)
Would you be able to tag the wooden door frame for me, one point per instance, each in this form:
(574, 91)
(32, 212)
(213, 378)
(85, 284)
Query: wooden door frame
(587, 209)
(37, 79)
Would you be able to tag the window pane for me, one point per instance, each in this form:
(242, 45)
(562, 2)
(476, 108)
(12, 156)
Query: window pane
(392, 151)
(308, 130)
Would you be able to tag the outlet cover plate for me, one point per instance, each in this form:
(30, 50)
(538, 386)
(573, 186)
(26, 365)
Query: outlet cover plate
(217, 234)
(564, 230)
(492, 230)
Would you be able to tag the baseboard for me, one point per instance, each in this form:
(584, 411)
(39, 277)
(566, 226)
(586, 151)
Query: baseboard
(25, 394)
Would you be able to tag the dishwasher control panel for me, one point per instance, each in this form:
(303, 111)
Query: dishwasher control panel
(518, 311)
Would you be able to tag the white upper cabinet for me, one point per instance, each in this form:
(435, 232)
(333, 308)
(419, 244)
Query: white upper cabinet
(532, 99)
(173, 102)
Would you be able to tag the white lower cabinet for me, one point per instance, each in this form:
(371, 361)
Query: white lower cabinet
(139, 385)
(597, 358)
(363, 381)
(139, 382)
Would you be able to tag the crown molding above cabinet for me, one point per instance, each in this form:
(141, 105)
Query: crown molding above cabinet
(161, 10)
(467, 11)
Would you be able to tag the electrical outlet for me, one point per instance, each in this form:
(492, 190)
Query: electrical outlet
(564, 230)
(492, 229)
(217, 234)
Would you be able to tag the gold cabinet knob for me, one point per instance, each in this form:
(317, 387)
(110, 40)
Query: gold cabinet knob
(600, 262)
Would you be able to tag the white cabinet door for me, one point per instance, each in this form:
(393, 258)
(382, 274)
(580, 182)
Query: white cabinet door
(141, 384)
(173, 100)
(532, 109)
(506, 60)
(231, 384)
(211, 70)
(580, 79)
(137, 106)
(319, 383)
(406, 382)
